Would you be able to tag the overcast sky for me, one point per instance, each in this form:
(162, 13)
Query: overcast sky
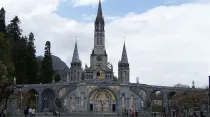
(167, 41)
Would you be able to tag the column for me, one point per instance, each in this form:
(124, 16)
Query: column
(165, 102)
(150, 101)
(119, 103)
(39, 102)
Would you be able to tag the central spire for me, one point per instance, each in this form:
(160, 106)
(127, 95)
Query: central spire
(99, 18)
(99, 14)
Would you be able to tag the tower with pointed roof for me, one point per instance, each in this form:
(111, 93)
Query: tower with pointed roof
(123, 68)
(99, 67)
(76, 66)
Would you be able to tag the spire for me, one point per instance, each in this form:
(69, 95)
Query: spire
(124, 58)
(99, 14)
(75, 58)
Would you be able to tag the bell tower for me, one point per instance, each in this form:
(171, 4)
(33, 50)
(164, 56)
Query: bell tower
(98, 55)
(123, 68)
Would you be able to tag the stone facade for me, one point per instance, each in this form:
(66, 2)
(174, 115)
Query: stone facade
(94, 88)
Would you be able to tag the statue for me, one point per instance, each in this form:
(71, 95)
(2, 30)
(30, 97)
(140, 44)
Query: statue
(142, 103)
(137, 80)
(131, 103)
(73, 103)
(193, 83)
(67, 78)
(14, 80)
(82, 100)
(86, 66)
(111, 67)
(64, 102)
(123, 102)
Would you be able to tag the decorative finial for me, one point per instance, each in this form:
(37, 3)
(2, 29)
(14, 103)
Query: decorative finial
(137, 80)
(193, 83)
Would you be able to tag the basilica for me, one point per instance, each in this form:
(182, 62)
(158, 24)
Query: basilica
(97, 87)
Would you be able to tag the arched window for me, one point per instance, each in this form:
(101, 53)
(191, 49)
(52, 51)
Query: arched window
(98, 40)
(101, 40)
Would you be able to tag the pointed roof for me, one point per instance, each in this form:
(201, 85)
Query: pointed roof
(99, 17)
(124, 58)
(75, 58)
(99, 13)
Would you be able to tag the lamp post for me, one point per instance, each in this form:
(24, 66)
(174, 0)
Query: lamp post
(36, 95)
(45, 101)
(21, 99)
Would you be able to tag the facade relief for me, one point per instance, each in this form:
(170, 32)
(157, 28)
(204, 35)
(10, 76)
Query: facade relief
(73, 103)
(90, 88)
(123, 102)
(132, 103)
(116, 88)
(102, 101)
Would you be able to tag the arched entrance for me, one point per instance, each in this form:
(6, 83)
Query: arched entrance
(48, 100)
(32, 98)
(157, 101)
(102, 100)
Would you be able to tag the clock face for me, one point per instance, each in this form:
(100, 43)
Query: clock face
(99, 58)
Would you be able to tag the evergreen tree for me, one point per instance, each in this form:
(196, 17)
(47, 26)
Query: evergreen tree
(13, 29)
(57, 78)
(2, 21)
(19, 49)
(6, 69)
(6, 55)
(47, 68)
(31, 71)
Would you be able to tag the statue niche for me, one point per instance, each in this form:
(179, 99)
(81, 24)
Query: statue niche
(99, 74)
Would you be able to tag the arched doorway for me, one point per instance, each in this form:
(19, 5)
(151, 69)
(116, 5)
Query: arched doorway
(48, 100)
(145, 103)
(102, 100)
(157, 101)
(172, 102)
(32, 98)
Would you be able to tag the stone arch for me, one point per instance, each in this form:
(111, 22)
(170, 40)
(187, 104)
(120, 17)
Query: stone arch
(157, 98)
(172, 100)
(62, 92)
(146, 102)
(48, 99)
(32, 98)
(107, 103)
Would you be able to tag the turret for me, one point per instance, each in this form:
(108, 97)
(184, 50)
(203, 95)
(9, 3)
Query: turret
(76, 66)
(123, 68)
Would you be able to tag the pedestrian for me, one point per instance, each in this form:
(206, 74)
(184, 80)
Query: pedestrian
(59, 114)
(4, 113)
(33, 112)
(132, 113)
(26, 112)
(30, 112)
(136, 114)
